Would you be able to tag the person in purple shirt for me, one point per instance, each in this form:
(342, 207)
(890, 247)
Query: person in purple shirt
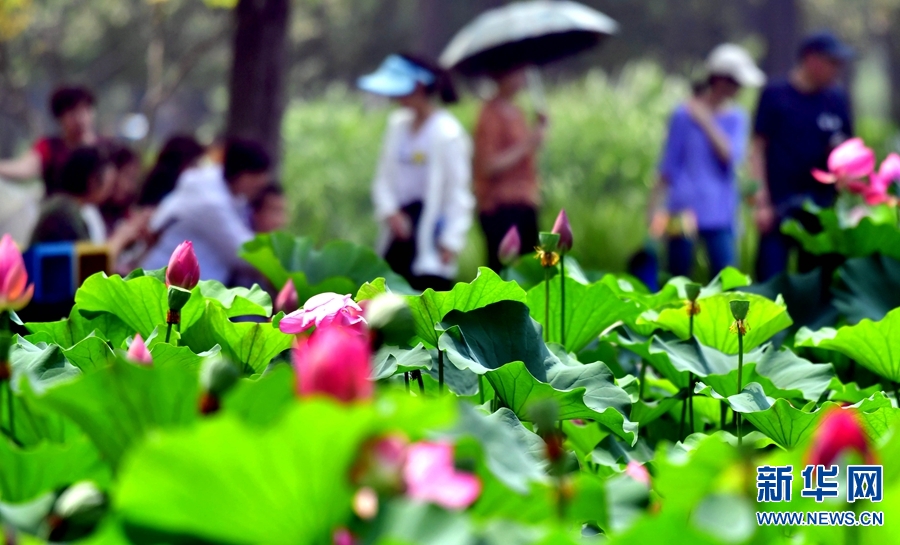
(698, 171)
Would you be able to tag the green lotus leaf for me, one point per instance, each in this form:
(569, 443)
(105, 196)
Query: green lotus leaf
(712, 325)
(590, 309)
(339, 266)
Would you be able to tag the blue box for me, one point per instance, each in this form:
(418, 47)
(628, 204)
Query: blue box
(51, 266)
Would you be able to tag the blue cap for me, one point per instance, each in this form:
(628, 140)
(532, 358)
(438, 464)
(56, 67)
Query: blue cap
(827, 44)
(396, 77)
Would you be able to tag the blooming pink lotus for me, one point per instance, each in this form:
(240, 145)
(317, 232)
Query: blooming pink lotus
(333, 362)
(877, 190)
(431, 476)
(138, 351)
(562, 228)
(850, 161)
(840, 431)
(324, 310)
(286, 300)
(638, 472)
(15, 292)
(510, 246)
(184, 269)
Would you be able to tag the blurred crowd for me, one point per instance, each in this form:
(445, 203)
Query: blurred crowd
(97, 191)
(433, 180)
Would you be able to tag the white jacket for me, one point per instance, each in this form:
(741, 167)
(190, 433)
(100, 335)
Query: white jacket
(448, 203)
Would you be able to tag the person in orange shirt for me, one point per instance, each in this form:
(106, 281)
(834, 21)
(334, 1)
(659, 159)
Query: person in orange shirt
(505, 167)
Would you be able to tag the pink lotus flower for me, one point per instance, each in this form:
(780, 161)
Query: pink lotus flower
(184, 269)
(431, 476)
(322, 311)
(850, 161)
(510, 246)
(840, 431)
(286, 300)
(333, 362)
(877, 190)
(15, 292)
(564, 230)
(638, 472)
(138, 352)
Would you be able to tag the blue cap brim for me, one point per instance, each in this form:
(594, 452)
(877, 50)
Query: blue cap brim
(388, 85)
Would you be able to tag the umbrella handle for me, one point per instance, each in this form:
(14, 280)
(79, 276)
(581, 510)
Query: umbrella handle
(536, 90)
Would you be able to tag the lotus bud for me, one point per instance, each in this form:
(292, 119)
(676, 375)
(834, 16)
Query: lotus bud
(564, 230)
(138, 352)
(840, 431)
(184, 269)
(334, 362)
(287, 301)
(510, 246)
(15, 292)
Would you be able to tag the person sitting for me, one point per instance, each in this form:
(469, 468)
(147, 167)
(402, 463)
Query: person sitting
(179, 153)
(73, 214)
(73, 109)
(125, 186)
(209, 207)
(269, 210)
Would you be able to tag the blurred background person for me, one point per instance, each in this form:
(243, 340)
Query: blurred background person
(73, 110)
(125, 187)
(269, 210)
(799, 121)
(210, 207)
(505, 167)
(179, 153)
(72, 214)
(422, 187)
(697, 196)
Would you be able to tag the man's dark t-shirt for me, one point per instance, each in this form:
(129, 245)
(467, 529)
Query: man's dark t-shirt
(800, 131)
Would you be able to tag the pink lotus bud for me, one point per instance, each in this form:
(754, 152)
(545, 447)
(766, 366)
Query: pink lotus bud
(838, 432)
(322, 311)
(15, 292)
(342, 536)
(851, 160)
(286, 301)
(510, 246)
(638, 472)
(564, 230)
(334, 362)
(184, 270)
(138, 352)
(431, 476)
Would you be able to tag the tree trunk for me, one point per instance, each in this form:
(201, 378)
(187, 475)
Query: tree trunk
(257, 75)
(781, 27)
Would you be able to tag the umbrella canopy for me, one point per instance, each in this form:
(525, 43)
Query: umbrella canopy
(535, 32)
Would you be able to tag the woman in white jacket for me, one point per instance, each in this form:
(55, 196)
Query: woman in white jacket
(422, 189)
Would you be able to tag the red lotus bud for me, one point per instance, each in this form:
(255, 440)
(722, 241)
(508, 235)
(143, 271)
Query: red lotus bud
(510, 246)
(564, 230)
(184, 270)
(840, 431)
(286, 301)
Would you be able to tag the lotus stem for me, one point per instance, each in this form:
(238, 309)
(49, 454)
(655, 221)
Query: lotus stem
(481, 389)
(737, 415)
(684, 404)
(406, 380)
(546, 304)
(641, 377)
(418, 375)
(562, 299)
(441, 371)
(6, 371)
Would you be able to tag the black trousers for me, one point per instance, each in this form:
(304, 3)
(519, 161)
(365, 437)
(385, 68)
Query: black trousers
(401, 254)
(496, 223)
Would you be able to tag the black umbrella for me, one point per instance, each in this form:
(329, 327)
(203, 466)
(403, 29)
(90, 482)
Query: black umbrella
(526, 33)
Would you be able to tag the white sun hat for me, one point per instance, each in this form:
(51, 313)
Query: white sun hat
(733, 61)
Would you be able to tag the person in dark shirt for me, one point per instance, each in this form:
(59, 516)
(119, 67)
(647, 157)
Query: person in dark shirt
(799, 121)
(73, 109)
